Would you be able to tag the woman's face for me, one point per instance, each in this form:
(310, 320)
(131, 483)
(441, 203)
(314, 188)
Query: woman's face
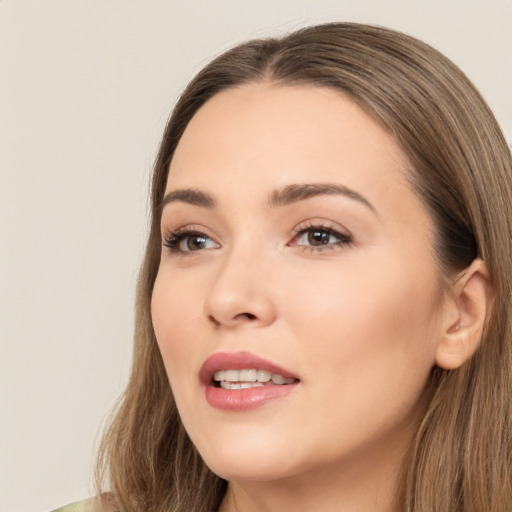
(295, 248)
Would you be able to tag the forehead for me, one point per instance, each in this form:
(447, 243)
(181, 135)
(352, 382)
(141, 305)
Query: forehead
(283, 133)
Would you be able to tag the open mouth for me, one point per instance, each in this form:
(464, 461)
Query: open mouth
(249, 378)
(241, 381)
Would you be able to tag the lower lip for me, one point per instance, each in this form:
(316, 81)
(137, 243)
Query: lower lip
(245, 399)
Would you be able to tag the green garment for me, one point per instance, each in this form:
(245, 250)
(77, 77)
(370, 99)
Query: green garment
(79, 506)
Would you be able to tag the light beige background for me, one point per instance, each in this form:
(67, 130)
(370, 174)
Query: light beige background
(85, 89)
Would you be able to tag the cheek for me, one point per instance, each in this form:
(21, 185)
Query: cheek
(176, 314)
(173, 322)
(367, 328)
(368, 352)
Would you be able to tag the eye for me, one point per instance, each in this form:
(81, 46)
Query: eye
(188, 241)
(320, 238)
(316, 238)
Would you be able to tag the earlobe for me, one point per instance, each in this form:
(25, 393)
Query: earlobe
(469, 303)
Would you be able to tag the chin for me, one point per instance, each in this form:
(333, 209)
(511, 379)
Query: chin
(248, 470)
(246, 459)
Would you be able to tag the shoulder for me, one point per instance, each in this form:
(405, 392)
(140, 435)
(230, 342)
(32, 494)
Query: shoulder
(89, 505)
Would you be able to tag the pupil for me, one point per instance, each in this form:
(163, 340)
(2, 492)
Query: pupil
(196, 242)
(318, 238)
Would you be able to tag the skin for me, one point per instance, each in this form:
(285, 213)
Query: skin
(360, 323)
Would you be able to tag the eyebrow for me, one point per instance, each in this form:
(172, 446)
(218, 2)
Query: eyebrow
(300, 192)
(282, 197)
(190, 196)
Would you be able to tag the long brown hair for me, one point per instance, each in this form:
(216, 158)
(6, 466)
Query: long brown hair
(461, 460)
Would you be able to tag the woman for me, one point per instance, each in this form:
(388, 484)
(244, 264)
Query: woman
(326, 288)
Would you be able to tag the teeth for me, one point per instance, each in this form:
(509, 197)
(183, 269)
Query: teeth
(231, 375)
(239, 385)
(279, 379)
(264, 376)
(248, 375)
(248, 378)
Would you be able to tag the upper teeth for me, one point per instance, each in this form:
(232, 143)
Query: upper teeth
(250, 375)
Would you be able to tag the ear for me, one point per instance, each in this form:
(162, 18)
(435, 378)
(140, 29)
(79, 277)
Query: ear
(468, 305)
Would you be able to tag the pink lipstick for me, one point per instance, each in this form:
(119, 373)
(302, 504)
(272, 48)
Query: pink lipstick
(241, 381)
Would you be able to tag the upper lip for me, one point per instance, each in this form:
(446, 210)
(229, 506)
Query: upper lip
(239, 361)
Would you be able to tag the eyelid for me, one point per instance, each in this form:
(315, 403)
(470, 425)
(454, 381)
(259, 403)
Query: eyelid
(322, 224)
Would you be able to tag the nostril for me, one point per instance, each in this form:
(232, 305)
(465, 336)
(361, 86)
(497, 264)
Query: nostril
(241, 317)
(213, 320)
(248, 316)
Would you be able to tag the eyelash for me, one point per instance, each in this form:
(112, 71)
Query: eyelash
(174, 239)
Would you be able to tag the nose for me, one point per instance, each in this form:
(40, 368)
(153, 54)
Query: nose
(241, 294)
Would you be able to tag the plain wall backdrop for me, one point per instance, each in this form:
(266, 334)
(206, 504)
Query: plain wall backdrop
(85, 89)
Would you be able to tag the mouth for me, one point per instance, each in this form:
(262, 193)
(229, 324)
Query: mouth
(249, 378)
(241, 381)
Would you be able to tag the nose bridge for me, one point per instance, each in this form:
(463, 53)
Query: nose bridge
(239, 290)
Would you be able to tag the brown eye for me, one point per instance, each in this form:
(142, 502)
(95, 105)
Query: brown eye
(194, 243)
(189, 241)
(318, 237)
